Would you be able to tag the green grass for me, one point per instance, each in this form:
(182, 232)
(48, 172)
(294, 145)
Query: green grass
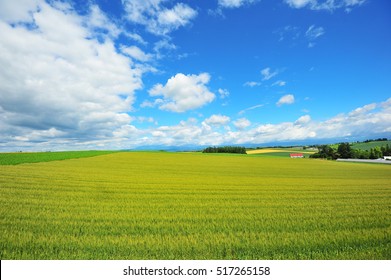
(370, 145)
(19, 158)
(365, 146)
(137, 205)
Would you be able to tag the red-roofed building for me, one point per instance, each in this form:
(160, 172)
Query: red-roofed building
(299, 155)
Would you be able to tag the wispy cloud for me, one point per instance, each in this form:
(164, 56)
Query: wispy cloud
(279, 83)
(136, 53)
(329, 5)
(234, 3)
(250, 108)
(288, 33)
(224, 93)
(267, 73)
(252, 84)
(294, 35)
(313, 33)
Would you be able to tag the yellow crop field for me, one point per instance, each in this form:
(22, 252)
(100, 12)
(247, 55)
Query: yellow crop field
(267, 151)
(156, 205)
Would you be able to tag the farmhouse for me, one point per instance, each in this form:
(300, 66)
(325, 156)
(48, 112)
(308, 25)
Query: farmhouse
(296, 155)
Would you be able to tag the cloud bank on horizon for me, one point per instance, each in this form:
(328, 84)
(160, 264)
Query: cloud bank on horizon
(158, 72)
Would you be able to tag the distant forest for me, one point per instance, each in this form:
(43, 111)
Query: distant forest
(226, 149)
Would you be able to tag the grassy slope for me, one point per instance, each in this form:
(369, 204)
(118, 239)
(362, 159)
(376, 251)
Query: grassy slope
(194, 206)
(369, 145)
(366, 146)
(19, 158)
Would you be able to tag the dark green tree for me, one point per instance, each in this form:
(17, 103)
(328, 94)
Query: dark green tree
(325, 151)
(226, 149)
(345, 151)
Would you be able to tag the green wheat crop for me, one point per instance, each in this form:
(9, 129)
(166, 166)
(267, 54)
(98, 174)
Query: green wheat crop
(151, 205)
(19, 158)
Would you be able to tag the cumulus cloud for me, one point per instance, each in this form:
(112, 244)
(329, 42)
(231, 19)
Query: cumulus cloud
(329, 5)
(373, 120)
(57, 78)
(157, 18)
(286, 99)
(183, 92)
(217, 120)
(10, 11)
(303, 120)
(242, 123)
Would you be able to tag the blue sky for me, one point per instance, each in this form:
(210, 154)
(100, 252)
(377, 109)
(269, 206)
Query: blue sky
(106, 74)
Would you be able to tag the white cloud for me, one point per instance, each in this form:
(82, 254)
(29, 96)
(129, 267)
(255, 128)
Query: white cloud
(373, 120)
(178, 16)
(250, 108)
(136, 37)
(223, 93)
(267, 73)
(184, 92)
(313, 32)
(286, 99)
(242, 123)
(163, 45)
(279, 83)
(299, 3)
(217, 120)
(288, 32)
(234, 3)
(157, 18)
(58, 80)
(252, 84)
(98, 21)
(303, 120)
(136, 53)
(146, 119)
(17, 11)
(363, 110)
(329, 5)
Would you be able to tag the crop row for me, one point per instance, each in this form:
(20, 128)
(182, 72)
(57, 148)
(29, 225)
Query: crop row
(194, 206)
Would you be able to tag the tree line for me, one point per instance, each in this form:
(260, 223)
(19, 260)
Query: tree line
(226, 149)
(376, 140)
(345, 150)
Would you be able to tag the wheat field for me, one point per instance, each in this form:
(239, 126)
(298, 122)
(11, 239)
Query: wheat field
(156, 205)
